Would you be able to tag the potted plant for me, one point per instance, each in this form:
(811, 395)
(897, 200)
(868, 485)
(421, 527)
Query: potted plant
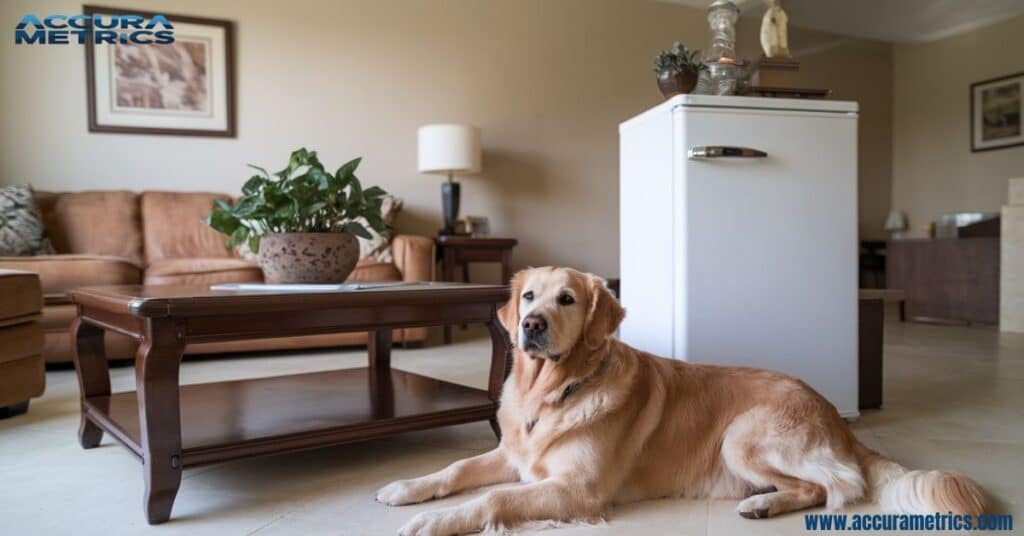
(302, 221)
(677, 70)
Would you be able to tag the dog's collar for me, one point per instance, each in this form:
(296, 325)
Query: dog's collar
(576, 385)
(573, 387)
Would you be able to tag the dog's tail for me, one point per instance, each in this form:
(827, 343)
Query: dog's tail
(899, 490)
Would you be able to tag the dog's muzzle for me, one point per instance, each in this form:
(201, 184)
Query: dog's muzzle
(534, 336)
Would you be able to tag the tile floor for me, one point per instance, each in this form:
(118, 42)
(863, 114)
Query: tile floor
(954, 399)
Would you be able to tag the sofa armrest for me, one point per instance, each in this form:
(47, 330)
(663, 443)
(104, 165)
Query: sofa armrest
(415, 257)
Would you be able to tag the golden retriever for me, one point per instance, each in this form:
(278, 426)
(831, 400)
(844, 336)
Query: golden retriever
(588, 421)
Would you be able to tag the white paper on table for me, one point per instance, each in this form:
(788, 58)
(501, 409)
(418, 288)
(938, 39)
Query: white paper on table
(301, 287)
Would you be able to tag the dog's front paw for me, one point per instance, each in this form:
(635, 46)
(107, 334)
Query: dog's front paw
(402, 492)
(758, 507)
(434, 523)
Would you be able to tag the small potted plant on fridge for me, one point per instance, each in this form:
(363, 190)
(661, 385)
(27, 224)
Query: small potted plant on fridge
(302, 221)
(677, 70)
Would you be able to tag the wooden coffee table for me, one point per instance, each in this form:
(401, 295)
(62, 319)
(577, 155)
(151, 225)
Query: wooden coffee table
(170, 427)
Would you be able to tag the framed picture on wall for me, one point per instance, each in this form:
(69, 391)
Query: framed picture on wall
(184, 88)
(996, 109)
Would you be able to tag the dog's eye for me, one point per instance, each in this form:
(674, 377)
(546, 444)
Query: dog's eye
(528, 295)
(566, 299)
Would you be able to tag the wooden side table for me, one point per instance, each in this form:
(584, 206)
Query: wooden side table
(462, 250)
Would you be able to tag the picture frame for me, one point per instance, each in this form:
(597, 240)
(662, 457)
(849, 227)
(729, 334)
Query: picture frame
(186, 88)
(479, 226)
(997, 107)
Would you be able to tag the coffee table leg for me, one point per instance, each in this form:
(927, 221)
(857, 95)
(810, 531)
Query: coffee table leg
(382, 392)
(157, 364)
(448, 274)
(501, 365)
(93, 376)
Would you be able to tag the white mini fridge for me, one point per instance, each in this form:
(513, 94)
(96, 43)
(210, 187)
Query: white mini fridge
(738, 236)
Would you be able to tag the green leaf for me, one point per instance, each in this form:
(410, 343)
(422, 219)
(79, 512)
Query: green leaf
(314, 208)
(253, 185)
(254, 243)
(222, 221)
(302, 191)
(349, 168)
(261, 170)
(285, 212)
(298, 158)
(357, 229)
(374, 192)
(323, 180)
(245, 207)
(313, 161)
(240, 235)
(376, 221)
(222, 205)
(355, 192)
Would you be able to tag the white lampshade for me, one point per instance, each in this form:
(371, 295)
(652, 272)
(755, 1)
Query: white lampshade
(445, 149)
(896, 222)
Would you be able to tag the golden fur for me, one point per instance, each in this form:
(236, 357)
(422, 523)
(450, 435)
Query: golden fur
(588, 422)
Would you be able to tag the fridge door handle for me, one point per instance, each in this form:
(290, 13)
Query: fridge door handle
(723, 151)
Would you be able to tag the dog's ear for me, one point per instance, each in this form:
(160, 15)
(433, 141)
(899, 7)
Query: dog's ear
(604, 315)
(508, 315)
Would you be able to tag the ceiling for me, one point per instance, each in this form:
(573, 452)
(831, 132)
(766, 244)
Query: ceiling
(902, 21)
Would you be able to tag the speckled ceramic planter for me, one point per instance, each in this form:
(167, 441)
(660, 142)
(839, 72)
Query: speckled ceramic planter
(308, 257)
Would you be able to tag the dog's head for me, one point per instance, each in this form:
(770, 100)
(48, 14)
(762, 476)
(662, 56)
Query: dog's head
(552, 310)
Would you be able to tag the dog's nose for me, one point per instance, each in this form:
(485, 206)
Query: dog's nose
(534, 325)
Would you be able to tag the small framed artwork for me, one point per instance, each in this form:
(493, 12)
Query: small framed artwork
(996, 109)
(184, 88)
(479, 225)
(476, 226)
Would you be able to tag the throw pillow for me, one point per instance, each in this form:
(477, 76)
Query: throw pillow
(21, 228)
(378, 247)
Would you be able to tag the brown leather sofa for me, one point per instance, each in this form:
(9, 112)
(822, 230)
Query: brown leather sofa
(21, 341)
(120, 237)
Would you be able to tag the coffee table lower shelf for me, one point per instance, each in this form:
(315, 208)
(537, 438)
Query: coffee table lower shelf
(237, 419)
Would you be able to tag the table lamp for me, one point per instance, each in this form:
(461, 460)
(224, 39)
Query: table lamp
(896, 223)
(447, 149)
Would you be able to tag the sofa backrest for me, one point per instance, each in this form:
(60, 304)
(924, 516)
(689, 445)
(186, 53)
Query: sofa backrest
(140, 227)
(94, 223)
(172, 226)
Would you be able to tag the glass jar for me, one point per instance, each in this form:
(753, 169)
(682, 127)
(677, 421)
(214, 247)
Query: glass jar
(723, 73)
(722, 16)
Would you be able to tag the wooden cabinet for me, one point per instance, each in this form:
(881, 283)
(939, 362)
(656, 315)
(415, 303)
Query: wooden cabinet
(947, 278)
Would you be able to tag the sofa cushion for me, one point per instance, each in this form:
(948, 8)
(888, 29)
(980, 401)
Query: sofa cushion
(22, 296)
(173, 228)
(21, 229)
(57, 346)
(93, 223)
(202, 272)
(367, 270)
(58, 317)
(61, 273)
(415, 257)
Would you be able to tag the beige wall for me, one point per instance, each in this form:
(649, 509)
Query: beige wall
(547, 80)
(934, 170)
